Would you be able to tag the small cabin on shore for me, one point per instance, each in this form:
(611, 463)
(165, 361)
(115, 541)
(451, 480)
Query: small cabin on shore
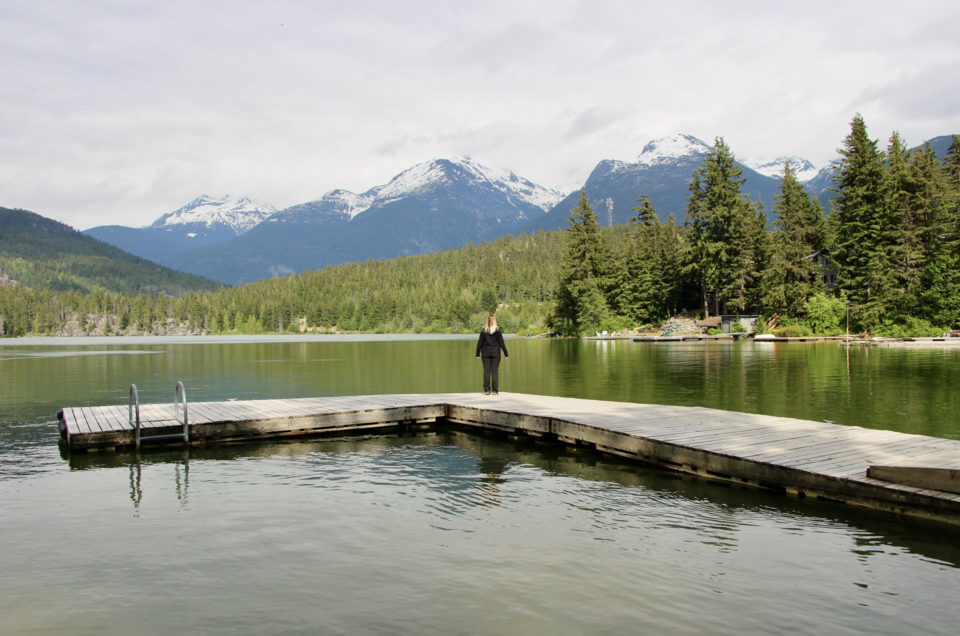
(726, 323)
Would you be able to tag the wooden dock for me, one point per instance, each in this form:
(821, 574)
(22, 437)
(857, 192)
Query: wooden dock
(897, 472)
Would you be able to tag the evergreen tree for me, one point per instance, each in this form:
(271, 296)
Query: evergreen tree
(859, 224)
(641, 292)
(671, 265)
(720, 235)
(938, 206)
(951, 165)
(695, 253)
(749, 252)
(793, 274)
(900, 237)
(582, 281)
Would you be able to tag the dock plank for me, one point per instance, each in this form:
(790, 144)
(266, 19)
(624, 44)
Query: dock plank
(92, 424)
(119, 415)
(74, 421)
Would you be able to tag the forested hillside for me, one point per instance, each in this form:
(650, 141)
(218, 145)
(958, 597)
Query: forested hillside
(441, 292)
(41, 253)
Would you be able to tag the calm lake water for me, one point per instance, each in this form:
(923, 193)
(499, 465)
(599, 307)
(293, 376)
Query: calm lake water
(452, 533)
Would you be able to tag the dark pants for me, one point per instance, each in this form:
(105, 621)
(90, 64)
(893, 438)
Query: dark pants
(491, 371)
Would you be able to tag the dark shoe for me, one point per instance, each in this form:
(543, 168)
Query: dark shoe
(486, 392)
(496, 392)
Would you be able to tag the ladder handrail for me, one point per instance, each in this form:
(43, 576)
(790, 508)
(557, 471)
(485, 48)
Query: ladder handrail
(179, 401)
(133, 400)
(180, 398)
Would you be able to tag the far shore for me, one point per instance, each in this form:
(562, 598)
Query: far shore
(227, 338)
(928, 342)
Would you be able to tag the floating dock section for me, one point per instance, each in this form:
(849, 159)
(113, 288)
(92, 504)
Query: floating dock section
(897, 472)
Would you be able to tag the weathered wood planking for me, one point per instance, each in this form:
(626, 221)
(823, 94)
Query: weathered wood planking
(816, 459)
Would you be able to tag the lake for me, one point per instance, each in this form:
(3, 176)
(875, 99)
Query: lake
(451, 532)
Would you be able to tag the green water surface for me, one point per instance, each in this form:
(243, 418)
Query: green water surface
(452, 533)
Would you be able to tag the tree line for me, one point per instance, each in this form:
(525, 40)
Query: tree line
(443, 292)
(887, 256)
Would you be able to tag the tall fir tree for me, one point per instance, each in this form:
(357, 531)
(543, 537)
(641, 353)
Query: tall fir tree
(901, 232)
(718, 217)
(793, 273)
(671, 265)
(859, 224)
(750, 242)
(641, 289)
(581, 300)
(694, 255)
(938, 215)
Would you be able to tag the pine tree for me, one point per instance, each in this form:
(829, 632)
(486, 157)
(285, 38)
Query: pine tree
(671, 265)
(951, 165)
(900, 236)
(793, 274)
(718, 217)
(695, 253)
(940, 236)
(582, 283)
(859, 224)
(641, 290)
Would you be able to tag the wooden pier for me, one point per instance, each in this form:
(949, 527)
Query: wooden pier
(908, 474)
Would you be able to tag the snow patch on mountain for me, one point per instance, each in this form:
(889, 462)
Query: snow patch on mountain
(444, 171)
(348, 202)
(237, 213)
(803, 168)
(671, 149)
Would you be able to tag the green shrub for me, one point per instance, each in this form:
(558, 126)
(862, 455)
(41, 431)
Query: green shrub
(826, 315)
(738, 327)
(714, 331)
(614, 323)
(908, 327)
(793, 328)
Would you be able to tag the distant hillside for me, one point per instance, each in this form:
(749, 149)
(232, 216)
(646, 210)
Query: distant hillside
(41, 253)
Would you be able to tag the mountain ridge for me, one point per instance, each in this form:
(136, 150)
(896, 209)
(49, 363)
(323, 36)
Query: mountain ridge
(439, 204)
(435, 205)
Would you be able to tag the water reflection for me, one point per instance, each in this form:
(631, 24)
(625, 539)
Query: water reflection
(457, 475)
(181, 476)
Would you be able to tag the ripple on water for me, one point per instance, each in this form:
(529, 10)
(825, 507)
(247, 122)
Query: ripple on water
(420, 534)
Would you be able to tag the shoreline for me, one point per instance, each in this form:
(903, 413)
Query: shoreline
(226, 339)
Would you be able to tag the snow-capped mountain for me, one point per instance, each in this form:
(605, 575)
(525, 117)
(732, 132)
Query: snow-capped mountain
(672, 149)
(435, 205)
(334, 206)
(438, 174)
(803, 168)
(441, 172)
(203, 222)
(236, 213)
(662, 171)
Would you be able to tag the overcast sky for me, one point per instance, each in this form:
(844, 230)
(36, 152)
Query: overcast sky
(120, 111)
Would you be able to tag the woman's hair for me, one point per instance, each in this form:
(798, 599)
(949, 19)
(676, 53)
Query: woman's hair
(491, 325)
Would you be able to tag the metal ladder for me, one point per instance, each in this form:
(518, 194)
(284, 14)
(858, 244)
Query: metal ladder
(179, 401)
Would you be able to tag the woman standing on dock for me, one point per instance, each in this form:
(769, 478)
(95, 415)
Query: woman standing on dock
(488, 347)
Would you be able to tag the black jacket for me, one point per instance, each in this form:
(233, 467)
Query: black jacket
(490, 344)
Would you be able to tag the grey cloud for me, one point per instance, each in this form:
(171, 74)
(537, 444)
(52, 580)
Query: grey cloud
(932, 92)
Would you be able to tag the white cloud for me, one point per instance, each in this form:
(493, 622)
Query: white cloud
(117, 112)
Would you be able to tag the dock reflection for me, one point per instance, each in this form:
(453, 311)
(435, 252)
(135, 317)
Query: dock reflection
(478, 477)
